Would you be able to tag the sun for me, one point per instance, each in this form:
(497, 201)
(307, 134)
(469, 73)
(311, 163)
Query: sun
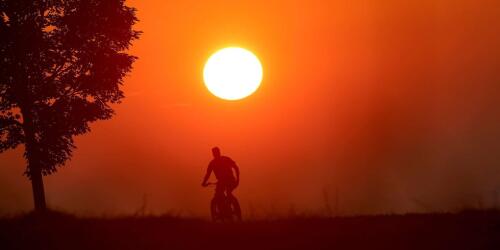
(232, 73)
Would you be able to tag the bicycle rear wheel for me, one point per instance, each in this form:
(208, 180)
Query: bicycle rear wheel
(225, 209)
(235, 208)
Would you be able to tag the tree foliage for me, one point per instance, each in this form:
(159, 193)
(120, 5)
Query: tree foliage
(62, 64)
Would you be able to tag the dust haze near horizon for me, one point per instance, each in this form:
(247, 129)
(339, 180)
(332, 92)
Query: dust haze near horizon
(385, 107)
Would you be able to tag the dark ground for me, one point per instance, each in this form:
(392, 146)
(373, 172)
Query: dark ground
(467, 230)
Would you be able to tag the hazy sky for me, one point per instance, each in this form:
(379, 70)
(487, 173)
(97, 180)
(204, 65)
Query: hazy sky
(392, 105)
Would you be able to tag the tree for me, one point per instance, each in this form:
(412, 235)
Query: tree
(62, 64)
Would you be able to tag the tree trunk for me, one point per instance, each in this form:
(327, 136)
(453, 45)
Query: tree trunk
(34, 170)
(38, 191)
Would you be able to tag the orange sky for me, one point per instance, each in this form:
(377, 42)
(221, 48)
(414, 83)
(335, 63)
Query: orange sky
(393, 104)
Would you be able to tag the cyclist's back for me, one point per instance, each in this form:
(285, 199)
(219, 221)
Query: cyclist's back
(223, 168)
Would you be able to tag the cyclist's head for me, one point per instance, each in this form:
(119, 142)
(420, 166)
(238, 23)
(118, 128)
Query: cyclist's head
(216, 152)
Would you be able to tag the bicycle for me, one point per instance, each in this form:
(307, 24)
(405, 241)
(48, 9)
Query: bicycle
(224, 208)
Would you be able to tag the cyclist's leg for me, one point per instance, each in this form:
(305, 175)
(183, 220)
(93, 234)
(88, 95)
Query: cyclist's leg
(236, 207)
(233, 201)
(217, 200)
(213, 209)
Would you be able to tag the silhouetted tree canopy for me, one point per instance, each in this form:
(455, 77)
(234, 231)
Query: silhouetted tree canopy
(62, 64)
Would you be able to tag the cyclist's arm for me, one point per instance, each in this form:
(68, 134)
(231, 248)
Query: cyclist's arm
(237, 170)
(207, 175)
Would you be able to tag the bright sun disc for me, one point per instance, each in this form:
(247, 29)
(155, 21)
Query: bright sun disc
(232, 73)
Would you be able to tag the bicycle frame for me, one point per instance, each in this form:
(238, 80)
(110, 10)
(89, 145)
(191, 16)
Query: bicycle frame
(223, 207)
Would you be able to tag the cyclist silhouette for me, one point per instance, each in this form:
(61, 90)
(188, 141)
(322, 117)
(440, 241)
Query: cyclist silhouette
(223, 167)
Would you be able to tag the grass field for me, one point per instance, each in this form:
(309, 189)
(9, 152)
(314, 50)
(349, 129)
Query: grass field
(466, 230)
